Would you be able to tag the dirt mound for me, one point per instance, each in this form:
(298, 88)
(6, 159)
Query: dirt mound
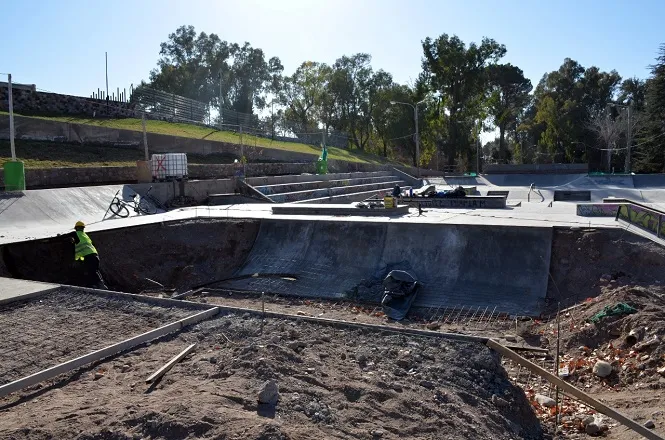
(333, 383)
(632, 340)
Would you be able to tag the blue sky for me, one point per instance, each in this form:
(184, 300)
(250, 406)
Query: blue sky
(60, 45)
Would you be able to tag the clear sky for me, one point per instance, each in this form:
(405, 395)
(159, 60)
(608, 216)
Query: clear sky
(60, 45)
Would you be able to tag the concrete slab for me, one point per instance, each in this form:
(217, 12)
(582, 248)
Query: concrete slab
(16, 290)
(329, 209)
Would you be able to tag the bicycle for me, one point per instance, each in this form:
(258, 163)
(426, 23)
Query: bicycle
(140, 205)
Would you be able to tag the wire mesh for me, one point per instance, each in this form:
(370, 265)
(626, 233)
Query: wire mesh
(68, 323)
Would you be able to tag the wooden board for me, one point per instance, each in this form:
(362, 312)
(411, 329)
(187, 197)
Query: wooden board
(595, 404)
(177, 358)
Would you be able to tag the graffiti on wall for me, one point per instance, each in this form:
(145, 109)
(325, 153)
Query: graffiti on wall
(643, 217)
(597, 209)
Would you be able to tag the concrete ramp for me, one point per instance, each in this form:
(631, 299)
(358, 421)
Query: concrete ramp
(61, 207)
(458, 265)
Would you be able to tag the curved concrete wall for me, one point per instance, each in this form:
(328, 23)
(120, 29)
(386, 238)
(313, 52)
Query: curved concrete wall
(458, 265)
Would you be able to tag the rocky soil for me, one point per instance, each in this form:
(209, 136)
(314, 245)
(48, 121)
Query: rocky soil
(332, 383)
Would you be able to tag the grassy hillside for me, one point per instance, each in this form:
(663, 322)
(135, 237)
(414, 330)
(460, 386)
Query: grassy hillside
(35, 154)
(197, 132)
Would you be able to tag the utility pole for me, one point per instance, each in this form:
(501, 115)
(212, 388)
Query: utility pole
(145, 138)
(415, 117)
(220, 99)
(272, 118)
(629, 137)
(478, 150)
(415, 108)
(106, 56)
(11, 116)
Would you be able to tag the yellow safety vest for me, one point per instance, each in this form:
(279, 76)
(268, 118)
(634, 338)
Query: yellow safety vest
(84, 246)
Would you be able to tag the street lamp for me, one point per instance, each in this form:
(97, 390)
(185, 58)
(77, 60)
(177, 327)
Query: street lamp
(415, 118)
(629, 131)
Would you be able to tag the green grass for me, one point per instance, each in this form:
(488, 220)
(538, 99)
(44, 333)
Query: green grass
(197, 132)
(38, 154)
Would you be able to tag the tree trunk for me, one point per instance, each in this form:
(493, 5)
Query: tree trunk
(502, 141)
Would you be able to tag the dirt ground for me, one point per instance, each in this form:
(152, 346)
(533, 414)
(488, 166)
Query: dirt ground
(333, 383)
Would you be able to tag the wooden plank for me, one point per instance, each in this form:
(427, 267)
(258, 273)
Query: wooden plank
(374, 327)
(165, 302)
(162, 371)
(595, 404)
(105, 352)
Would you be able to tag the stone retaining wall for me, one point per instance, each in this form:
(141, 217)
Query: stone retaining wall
(29, 102)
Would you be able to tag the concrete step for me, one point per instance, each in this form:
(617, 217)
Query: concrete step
(294, 178)
(335, 191)
(318, 184)
(352, 197)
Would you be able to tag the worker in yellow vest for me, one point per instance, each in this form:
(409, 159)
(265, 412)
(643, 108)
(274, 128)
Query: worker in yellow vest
(85, 255)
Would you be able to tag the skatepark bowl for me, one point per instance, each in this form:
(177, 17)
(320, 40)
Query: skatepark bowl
(471, 270)
(226, 271)
(476, 260)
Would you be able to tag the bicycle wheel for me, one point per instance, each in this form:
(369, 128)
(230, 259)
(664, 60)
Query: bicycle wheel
(119, 209)
(145, 207)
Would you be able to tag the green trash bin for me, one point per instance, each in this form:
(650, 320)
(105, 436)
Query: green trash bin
(14, 176)
(321, 166)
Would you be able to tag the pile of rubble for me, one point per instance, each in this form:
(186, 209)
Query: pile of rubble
(611, 343)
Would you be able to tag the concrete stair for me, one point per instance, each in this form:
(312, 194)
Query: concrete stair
(329, 188)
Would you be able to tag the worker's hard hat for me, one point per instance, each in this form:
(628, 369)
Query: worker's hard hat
(79, 224)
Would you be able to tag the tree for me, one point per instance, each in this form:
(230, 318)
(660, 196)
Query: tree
(564, 102)
(194, 65)
(393, 123)
(633, 90)
(303, 94)
(460, 76)
(509, 95)
(608, 129)
(650, 153)
(355, 90)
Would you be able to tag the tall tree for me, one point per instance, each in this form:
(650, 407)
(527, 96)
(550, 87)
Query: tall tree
(194, 65)
(303, 94)
(509, 96)
(650, 154)
(564, 102)
(460, 76)
(354, 88)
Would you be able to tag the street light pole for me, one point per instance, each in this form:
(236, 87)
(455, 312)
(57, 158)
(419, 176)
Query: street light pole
(629, 138)
(415, 118)
(415, 115)
(220, 99)
(629, 131)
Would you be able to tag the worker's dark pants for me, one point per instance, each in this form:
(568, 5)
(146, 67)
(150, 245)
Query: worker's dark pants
(91, 276)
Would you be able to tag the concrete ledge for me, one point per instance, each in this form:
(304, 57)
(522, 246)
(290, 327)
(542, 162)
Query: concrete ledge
(469, 202)
(303, 209)
(498, 193)
(572, 196)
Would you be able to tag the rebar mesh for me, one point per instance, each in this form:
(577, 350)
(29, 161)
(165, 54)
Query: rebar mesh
(68, 323)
